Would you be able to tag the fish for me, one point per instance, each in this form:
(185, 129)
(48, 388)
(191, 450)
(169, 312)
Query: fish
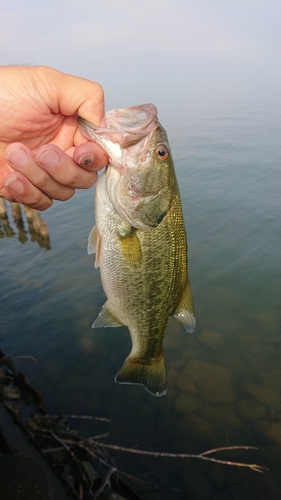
(139, 240)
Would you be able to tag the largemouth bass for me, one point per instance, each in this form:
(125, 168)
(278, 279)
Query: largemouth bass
(140, 240)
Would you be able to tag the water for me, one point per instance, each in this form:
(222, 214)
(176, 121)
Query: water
(224, 380)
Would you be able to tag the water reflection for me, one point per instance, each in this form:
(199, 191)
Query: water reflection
(37, 228)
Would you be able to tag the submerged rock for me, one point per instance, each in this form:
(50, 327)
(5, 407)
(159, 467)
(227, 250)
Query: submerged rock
(220, 415)
(251, 409)
(214, 340)
(271, 379)
(271, 429)
(214, 382)
(187, 403)
(195, 427)
(185, 383)
(266, 394)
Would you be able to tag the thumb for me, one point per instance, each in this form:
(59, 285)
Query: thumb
(82, 96)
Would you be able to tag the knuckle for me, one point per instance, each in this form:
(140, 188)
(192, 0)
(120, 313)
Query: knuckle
(90, 181)
(45, 205)
(84, 180)
(38, 201)
(98, 90)
(65, 195)
(42, 182)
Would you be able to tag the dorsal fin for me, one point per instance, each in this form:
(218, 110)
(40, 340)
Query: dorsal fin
(184, 312)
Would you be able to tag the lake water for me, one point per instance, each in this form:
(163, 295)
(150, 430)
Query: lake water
(224, 380)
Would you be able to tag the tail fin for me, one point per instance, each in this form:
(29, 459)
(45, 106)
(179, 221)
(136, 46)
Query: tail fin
(151, 376)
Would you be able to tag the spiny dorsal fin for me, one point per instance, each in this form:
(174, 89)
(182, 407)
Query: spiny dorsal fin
(184, 312)
(152, 376)
(106, 318)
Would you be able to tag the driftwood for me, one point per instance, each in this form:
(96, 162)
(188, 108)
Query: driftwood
(83, 464)
(26, 221)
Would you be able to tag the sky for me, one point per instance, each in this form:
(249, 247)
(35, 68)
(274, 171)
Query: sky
(119, 42)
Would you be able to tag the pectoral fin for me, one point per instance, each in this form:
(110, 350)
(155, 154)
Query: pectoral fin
(106, 318)
(184, 312)
(94, 242)
(152, 376)
(130, 247)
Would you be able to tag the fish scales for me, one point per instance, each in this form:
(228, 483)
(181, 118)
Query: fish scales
(143, 268)
(142, 294)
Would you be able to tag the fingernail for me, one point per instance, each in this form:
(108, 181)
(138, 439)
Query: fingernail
(17, 157)
(86, 159)
(14, 185)
(49, 158)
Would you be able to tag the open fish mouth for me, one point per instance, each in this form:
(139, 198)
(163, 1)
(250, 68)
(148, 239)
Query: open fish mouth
(126, 126)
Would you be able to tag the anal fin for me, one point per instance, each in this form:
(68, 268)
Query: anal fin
(106, 318)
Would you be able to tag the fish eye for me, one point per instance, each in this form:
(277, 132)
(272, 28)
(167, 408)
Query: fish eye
(162, 152)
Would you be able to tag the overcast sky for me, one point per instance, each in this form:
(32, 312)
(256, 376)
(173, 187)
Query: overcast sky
(145, 41)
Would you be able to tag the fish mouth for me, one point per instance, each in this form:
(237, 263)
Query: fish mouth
(125, 126)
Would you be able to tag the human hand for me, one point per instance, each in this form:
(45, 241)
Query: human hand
(43, 155)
